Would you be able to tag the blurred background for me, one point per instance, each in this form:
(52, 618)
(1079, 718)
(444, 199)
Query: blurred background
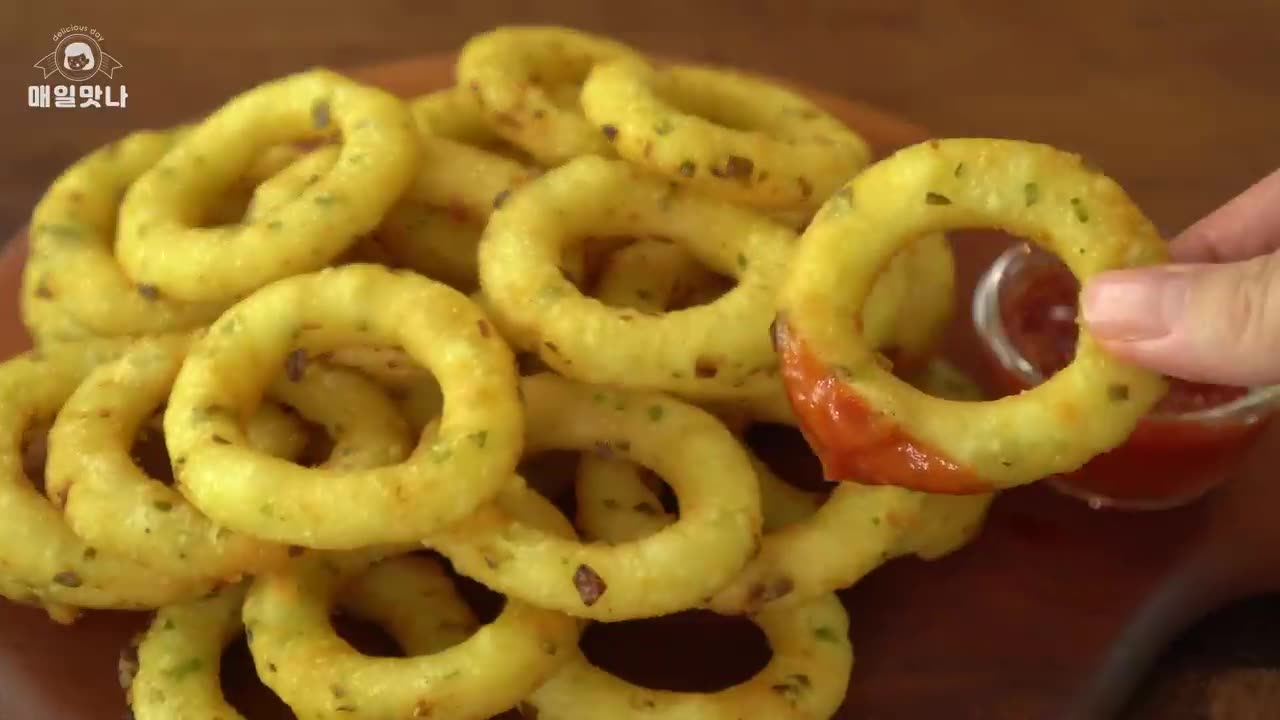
(1177, 100)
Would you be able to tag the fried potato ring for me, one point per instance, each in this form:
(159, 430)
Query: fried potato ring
(435, 228)
(653, 276)
(719, 523)
(795, 564)
(156, 244)
(112, 504)
(72, 262)
(525, 81)
(723, 132)
(866, 424)
(479, 677)
(279, 326)
(907, 311)
(455, 114)
(42, 562)
(413, 389)
(616, 504)
(179, 657)
(48, 322)
(703, 352)
(807, 678)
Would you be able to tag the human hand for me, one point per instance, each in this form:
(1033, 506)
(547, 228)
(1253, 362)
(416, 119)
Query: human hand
(1214, 315)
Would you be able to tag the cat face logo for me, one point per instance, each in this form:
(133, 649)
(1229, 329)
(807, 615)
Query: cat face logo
(77, 58)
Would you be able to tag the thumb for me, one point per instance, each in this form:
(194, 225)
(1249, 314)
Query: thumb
(1209, 323)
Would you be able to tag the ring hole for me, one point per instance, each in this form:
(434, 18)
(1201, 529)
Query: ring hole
(365, 636)
(35, 452)
(552, 474)
(788, 455)
(653, 274)
(149, 452)
(244, 690)
(692, 651)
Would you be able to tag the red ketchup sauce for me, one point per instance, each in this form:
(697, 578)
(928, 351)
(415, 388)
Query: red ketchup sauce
(854, 442)
(1169, 457)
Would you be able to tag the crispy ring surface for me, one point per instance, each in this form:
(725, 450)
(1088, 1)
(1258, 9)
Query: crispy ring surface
(719, 525)
(443, 480)
(72, 263)
(807, 678)
(480, 676)
(526, 81)
(111, 502)
(869, 426)
(707, 351)
(158, 246)
(723, 132)
(905, 315)
(180, 655)
(42, 562)
(795, 564)
(435, 228)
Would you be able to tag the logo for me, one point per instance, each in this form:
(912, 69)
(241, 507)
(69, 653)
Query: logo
(78, 57)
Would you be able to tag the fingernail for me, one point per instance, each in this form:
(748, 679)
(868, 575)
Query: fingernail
(1131, 305)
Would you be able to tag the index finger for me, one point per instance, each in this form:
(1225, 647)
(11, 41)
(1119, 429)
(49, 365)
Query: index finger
(1246, 227)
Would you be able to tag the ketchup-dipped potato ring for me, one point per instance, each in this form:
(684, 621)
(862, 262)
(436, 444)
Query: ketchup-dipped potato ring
(867, 425)
(479, 677)
(807, 678)
(157, 244)
(72, 262)
(112, 504)
(179, 657)
(719, 524)
(526, 82)
(42, 562)
(446, 477)
(723, 133)
(709, 351)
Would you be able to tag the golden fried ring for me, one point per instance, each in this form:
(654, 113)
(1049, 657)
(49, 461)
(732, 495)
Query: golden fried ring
(156, 244)
(526, 80)
(906, 314)
(455, 113)
(615, 504)
(807, 678)
(703, 352)
(870, 525)
(111, 503)
(413, 389)
(869, 426)
(180, 655)
(651, 276)
(441, 482)
(724, 133)
(435, 228)
(48, 322)
(482, 676)
(72, 262)
(719, 525)
(42, 562)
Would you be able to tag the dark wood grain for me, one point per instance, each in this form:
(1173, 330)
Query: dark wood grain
(1056, 611)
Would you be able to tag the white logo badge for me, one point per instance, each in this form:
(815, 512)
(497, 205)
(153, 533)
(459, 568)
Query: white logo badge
(78, 57)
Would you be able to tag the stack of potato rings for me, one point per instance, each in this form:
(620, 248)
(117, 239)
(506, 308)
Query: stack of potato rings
(297, 355)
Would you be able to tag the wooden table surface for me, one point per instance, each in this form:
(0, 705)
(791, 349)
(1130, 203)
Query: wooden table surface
(1177, 100)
